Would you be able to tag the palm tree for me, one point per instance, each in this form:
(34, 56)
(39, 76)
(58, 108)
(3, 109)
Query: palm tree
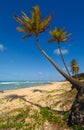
(60, 35)
(74, 67)
(35, 26)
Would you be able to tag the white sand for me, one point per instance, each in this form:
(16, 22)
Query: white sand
(19, 98)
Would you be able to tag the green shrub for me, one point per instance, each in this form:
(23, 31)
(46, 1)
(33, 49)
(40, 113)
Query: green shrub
(76, 127)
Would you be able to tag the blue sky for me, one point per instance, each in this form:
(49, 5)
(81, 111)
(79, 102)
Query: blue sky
(21, 60)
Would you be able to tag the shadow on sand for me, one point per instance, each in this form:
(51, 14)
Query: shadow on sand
(15, 96)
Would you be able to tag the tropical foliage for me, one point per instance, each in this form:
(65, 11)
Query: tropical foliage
(74, 67)
(60, 35)
(35, 25)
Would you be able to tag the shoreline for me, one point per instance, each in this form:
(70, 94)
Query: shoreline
(41, 95)
(35, 87)
(22, 85)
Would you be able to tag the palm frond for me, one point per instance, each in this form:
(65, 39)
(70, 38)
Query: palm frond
(44, 29)
(18, 19)
(66, 40)
(68, 35)
(27, 35)
(26, 18)
(46, 21)
(21, 29)
(52, 40)
(27, 22)
(36, 15)
(36, 19)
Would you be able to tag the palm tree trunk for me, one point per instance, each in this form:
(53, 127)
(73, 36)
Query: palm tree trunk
(76, 115)
(76, 76)
(73, 81)
(63, 59)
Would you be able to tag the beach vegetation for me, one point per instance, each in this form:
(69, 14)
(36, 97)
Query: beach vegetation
(33, 120)
(80, 76)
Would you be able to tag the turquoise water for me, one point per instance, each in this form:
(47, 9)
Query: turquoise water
(17, 85)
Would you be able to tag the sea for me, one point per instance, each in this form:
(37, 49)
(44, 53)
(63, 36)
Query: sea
(11, 85)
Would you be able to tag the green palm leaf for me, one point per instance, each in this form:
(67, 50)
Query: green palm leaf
(27, 35)
(26, 18)
(45, 23)
(36, 15)
(18, 19)
(60, 35)
(23, 29)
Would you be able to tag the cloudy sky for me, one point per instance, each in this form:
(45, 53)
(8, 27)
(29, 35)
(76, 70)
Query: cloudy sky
(21, 59)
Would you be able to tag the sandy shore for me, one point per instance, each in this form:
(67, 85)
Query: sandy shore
(41, 95)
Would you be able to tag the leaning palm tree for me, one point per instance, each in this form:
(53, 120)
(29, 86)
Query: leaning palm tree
(35, 26)
(60, 36)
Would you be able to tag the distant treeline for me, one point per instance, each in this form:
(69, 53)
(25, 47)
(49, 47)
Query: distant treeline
(79, 76)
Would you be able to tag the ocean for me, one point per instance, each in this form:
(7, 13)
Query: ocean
(22, 84)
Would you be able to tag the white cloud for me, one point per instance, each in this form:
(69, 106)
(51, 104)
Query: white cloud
(40, 73)
(2, 48)
(64, 51)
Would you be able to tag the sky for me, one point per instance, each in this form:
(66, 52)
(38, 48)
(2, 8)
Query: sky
(21, 59)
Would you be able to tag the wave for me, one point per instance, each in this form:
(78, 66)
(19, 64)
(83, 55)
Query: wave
(11, 82)
(21, 82)
(8, 82)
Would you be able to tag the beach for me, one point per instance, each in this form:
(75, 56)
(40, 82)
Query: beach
(36, 108)
(13, 99)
